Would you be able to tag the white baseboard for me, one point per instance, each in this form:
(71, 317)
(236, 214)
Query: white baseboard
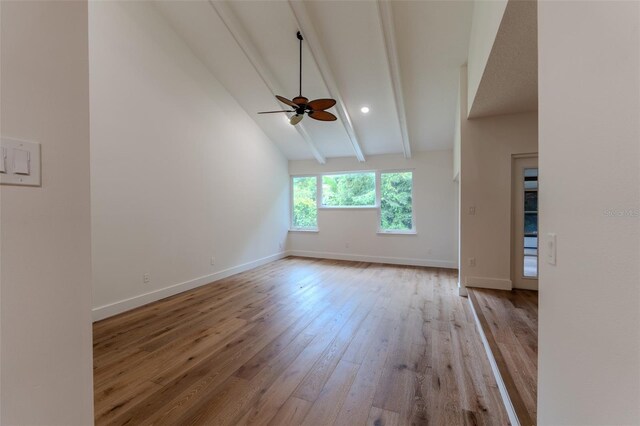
(462, 290)
(106, 311)
(528, 285)
(375, 259)
(493, 283)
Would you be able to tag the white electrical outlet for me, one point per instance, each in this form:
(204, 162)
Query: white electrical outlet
(280, 246)
(146, 278)
(472, 210)
(213, 260)
(346, 245)
(472, 261)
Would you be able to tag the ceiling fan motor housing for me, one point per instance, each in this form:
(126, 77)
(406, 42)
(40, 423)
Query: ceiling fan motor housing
(300, 100)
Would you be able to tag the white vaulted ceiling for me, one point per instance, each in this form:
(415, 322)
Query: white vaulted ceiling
(350, 53)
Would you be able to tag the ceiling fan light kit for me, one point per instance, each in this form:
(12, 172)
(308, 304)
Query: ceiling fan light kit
(295, 119)
(301, 105)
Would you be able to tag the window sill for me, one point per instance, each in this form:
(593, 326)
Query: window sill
(313, 231)
(348, 208)
(397, 233)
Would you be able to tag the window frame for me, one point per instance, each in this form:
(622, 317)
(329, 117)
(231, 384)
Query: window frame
(381, 231)
(378, 205)
(298, 228)
(353, 172)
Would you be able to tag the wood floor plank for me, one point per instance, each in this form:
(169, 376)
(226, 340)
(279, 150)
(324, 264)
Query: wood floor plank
(180, 353)
(328, 403)
(291, 413)
(298, 341)
(238, 398)
(213, 371)
(357, 404)
(113, 402)
(316, 378)
(509, 321)
(380, 417)
(266, 408)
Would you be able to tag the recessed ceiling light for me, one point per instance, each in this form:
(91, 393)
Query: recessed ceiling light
(364, 109)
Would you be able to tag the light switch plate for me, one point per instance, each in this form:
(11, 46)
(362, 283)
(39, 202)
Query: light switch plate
(22, 163)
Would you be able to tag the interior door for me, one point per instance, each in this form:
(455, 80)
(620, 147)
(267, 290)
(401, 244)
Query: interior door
(525, 223)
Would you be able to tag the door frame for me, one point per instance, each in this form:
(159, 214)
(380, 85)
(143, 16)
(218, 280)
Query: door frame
(517, 277)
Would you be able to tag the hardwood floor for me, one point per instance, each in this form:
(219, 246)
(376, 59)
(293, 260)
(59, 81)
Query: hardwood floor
(510, 323)
(300, 341)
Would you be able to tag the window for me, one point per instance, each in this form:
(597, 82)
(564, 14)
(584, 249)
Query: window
(304, 204)
(390, 193)
(396, 201)
(349, 190)
(530, 267)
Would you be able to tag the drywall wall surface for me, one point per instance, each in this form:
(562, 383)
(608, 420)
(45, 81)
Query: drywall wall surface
(589, 348)
(485, 24)
(181, 176)
(46, 231)
(352, 233)
(487, 148)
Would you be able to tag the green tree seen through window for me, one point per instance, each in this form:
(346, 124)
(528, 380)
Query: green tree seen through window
(396, 202)
(305, 213)
(349, 190)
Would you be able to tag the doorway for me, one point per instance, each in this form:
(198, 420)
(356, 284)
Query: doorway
(524, 256)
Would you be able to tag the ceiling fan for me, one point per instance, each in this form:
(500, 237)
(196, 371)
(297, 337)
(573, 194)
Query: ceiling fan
(301, 105)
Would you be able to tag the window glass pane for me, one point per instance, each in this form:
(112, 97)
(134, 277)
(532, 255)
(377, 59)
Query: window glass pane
(305, 209)
(396, 203)
(530, 223)
(349, 190)
(531, 201)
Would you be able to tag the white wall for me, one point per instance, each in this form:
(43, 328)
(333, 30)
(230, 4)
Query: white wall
(435, 204)
(46, 232)
(180, 173)
(485, 22)
(487, 147)
(589, 349)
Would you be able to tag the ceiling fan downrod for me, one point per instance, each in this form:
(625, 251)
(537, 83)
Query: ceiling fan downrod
(300, 75)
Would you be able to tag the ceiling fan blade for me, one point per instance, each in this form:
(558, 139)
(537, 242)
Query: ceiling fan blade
(321, 104)
(286, 101)
(273, 112)
(322, 116)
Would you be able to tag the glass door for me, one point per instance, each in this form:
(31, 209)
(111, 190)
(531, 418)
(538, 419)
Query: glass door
(524, 263)
(530, 237)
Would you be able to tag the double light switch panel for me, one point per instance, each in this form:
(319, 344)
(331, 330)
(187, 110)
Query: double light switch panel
(19, 162)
